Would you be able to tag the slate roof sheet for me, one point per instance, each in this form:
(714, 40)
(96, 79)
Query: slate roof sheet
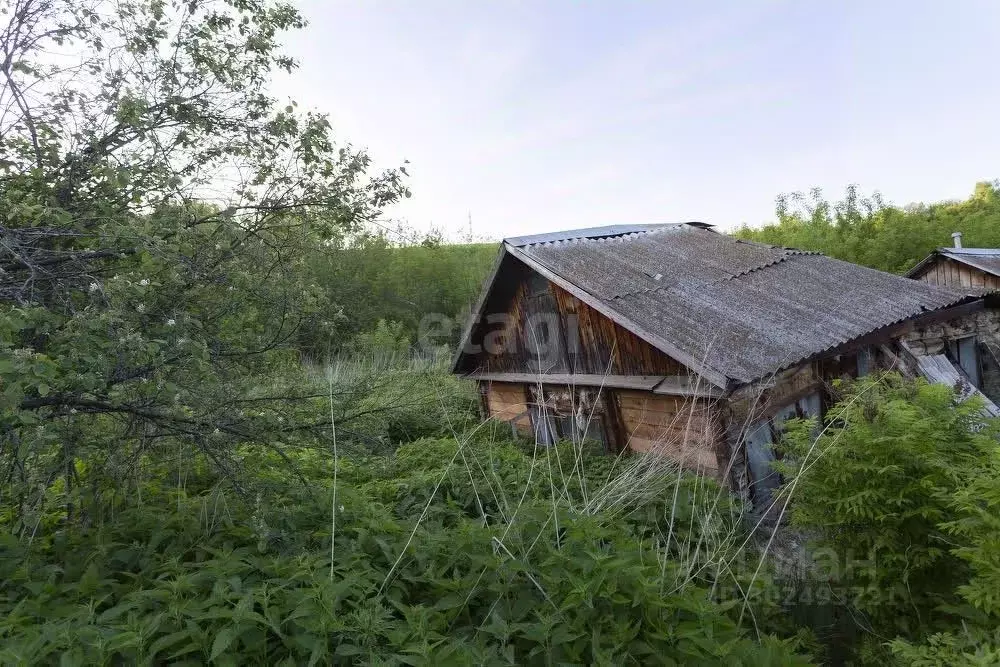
(746, 309)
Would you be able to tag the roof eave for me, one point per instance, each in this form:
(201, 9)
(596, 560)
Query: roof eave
(963, 306)
(926, 261)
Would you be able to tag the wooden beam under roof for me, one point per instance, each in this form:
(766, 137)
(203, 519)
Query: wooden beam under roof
(658, 384)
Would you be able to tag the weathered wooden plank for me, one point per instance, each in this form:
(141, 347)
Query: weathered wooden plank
(700, 458)
(662, 415)
(582, 340)
(650, 401)
(939, 369)
(646, 382)
(978, 278)
(507, 402)
(650, 414)
(685, 385)
(607, 347)
(678, 432)
(666, 347)
(965, 276)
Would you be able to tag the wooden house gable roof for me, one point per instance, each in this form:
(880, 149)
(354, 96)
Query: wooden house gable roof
(731, 310)
(984, 259)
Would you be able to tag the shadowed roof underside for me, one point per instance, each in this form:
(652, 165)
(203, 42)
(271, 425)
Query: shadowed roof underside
(734, 310)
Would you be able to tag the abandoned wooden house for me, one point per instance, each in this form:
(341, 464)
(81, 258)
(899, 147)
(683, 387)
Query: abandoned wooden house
(692, 344)
(961, 268)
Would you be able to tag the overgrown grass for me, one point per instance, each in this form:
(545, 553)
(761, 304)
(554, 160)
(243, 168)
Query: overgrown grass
(401, 530)
(465, 548)
(434, 562)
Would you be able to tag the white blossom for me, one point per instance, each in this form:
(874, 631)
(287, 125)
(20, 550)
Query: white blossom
(94, 287)
(144, 282)
(171, 322)
(141, 308)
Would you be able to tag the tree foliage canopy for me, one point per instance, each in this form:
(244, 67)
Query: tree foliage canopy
(158, 212)
(866, 231)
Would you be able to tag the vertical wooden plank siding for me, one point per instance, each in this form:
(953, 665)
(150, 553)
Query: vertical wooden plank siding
(949, 273)
(584, 341)
(607, 347)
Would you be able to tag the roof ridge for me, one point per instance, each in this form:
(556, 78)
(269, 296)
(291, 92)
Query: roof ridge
(788, 254)
(587, 239)
(605, 233)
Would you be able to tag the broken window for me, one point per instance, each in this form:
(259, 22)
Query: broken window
(543, 426)
(965, 352)
(760, 441)
(864, 361)
(563, 413)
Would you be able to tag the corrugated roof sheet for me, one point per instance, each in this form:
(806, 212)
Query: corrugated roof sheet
(745, 309)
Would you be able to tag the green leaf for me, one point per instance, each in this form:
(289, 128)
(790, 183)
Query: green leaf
(222, 642)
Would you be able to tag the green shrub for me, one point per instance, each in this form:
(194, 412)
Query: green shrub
(900, 492)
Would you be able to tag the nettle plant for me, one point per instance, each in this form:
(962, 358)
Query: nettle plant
(454, 551)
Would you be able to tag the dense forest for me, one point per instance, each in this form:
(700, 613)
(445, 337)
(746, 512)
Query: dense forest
(378, 288)
(218, 445)
(867, 231)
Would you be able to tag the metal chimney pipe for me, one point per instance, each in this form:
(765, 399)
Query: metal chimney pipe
(957, 236)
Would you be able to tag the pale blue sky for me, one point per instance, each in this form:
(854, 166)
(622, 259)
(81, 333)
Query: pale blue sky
(557, 114)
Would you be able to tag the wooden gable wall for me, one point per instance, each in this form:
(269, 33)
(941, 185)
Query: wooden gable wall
(579, 340)
(951, 273)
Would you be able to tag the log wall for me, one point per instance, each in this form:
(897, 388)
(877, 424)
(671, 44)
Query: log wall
(508, 402)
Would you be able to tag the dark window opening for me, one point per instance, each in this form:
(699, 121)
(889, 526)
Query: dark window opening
(965, 353)
(761, 454)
